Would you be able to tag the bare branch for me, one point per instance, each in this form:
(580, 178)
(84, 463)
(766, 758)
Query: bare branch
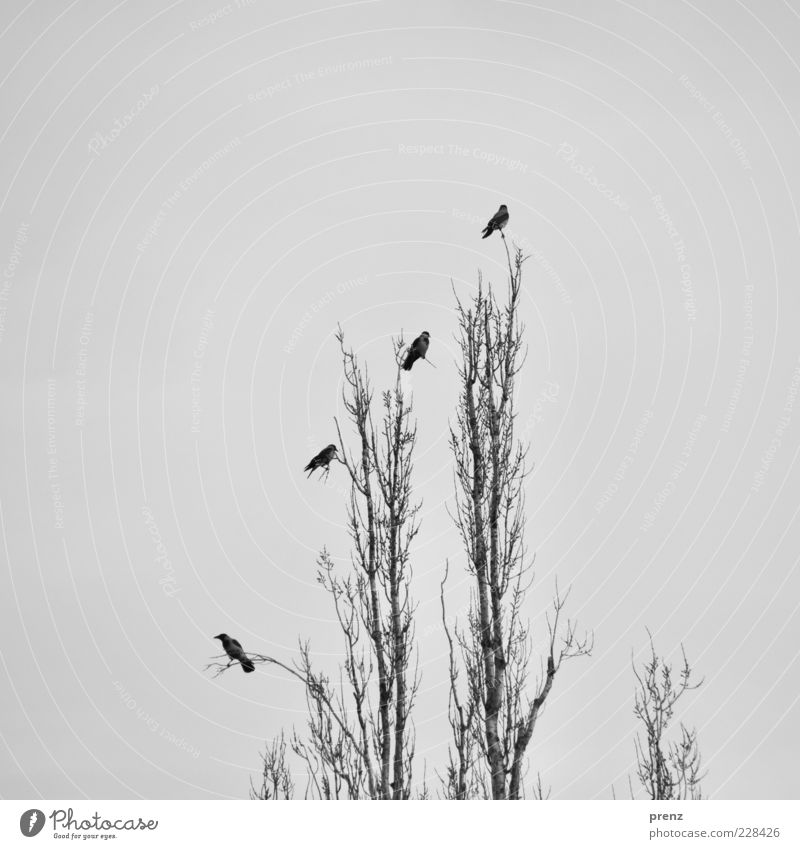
(665, 769)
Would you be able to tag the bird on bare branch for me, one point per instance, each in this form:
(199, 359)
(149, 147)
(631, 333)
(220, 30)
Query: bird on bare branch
(233, 648)
(418, 350)
(322, 460)
(497, 222)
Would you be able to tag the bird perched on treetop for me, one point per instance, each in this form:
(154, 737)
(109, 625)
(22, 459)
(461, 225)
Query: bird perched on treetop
(322, 460)
(496, 222)
(233, 648)
(418, 350)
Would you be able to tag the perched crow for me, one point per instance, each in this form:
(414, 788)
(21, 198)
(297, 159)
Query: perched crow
(418, 349)
(322, 460)
(233, 648)
(497, 221)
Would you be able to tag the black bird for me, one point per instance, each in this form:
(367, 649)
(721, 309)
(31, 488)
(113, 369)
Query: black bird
(233, 648)
(496, 222)
(322, 460)
(418, 349)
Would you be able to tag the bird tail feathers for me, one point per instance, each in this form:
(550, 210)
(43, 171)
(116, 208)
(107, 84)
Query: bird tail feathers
(248, 665)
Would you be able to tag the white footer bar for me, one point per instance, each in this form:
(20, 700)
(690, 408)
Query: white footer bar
(410, 825)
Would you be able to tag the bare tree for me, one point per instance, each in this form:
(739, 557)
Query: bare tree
(497, 714)
(276, 777)
(383, 524)
(666, 769)
(360, 740)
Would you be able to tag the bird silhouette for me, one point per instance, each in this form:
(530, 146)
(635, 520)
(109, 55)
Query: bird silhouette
(496, 222)
(418, 350)
(322, 460)
(233, 648)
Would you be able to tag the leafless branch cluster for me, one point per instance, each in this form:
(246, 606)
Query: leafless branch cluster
(493, 720)
(383, 524)
(666, 769)
(360, 740)
(276, 777)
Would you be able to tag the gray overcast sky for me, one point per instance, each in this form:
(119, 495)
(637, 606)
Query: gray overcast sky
(193, 195)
